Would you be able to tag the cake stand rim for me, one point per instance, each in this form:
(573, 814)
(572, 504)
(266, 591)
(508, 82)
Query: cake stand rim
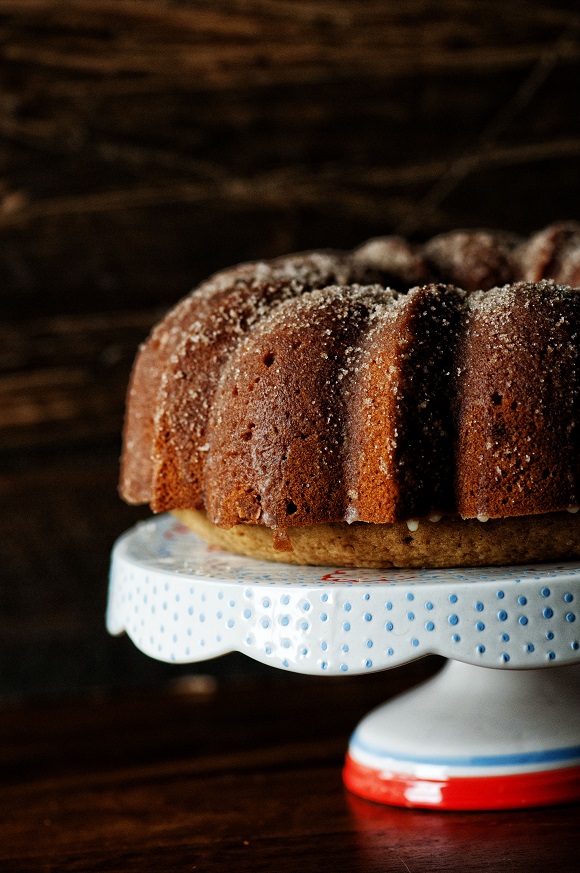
(342, 594)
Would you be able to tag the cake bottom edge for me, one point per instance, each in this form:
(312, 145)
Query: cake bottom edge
(450, 542)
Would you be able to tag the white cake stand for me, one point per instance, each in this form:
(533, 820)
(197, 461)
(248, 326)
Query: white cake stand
(467, 739)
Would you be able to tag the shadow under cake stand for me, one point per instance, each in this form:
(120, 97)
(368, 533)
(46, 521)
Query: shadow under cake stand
(469, 738)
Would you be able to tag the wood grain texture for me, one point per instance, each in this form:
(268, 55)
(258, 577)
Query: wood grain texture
(66, 375)
(146, 145)
(244, 778)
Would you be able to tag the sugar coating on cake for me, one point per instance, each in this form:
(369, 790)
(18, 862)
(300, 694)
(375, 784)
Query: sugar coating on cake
(393, 383)
(517, 404)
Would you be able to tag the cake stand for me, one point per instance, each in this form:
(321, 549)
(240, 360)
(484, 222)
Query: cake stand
(470, 738)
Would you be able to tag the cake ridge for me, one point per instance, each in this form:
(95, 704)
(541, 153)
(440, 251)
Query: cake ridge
(292, 469)
(232, 311)
(517, 408)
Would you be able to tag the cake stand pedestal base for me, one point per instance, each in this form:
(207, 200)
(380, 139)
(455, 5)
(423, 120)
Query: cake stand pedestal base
(499, 727)
(473, 738)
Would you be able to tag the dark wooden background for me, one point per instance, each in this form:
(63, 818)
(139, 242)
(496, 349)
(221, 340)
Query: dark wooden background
(144, 145)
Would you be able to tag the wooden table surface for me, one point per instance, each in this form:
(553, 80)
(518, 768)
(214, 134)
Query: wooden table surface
(237, 776)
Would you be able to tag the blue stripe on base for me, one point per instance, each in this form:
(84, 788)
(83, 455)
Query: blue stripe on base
(543, 757)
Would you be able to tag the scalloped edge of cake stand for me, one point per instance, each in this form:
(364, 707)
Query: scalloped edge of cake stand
(182, 601)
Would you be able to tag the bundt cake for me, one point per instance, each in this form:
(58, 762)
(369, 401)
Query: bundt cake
(397, 405)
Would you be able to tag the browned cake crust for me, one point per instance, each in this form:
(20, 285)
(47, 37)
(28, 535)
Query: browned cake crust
(378, 386)
(451, 542)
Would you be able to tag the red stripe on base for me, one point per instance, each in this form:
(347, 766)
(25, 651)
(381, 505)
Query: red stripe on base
(517, 791)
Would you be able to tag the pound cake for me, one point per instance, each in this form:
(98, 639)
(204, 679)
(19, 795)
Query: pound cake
(397, 405)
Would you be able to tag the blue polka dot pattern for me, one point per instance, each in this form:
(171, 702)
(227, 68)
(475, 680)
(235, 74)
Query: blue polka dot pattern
(212, 602)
